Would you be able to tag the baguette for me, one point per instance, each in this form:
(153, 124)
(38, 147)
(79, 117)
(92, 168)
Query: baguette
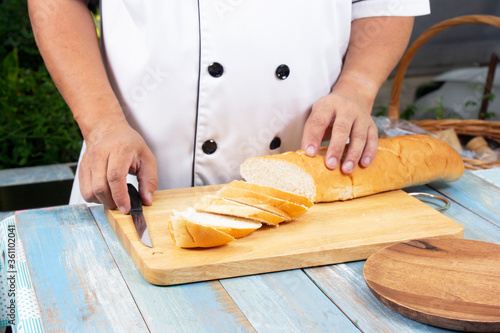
(193, 229)
(216, 205)
(400, 162)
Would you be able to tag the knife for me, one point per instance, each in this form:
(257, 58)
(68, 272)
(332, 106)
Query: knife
(137, 216)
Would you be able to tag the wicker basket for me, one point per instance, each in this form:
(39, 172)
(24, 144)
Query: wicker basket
(487, 129)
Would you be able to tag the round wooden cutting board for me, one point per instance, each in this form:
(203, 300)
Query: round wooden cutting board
(448, 283)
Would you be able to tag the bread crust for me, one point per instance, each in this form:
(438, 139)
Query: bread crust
(187, 234)
(278, 205)
(400, 162)
(216, 205)
(272, 192)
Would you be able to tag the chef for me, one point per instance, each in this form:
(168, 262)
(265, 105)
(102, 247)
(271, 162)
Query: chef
(180, 93)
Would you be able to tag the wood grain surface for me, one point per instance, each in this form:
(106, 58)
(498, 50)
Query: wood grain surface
(78, 285)
(345, 285)
(449, 283)
(475, 194)
(192, 307)
(329, 233)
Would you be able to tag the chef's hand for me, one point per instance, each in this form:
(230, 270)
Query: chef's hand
(67, 40)
(375, 46)
(342, 114)
(114, 150)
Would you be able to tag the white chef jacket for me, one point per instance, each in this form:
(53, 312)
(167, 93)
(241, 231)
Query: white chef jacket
(209, 83)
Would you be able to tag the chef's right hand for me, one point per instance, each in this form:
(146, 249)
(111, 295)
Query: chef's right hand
(113, 151)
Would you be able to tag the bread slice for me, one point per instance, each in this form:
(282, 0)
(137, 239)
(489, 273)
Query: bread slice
(400, 162)
(271, 191)
(190, 229)
(216, 205)
(236, 192)
(233, 226)
(188, 234)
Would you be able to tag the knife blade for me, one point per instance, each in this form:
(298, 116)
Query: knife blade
(137, 216)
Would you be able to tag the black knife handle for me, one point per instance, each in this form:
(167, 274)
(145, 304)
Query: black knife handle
(135, 200)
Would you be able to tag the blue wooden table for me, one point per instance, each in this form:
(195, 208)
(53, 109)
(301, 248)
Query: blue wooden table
(84, 279)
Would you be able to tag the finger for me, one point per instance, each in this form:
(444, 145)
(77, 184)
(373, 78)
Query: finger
(116, 178)
(147, 175)
(85, 180)
(340, 134)
(371, 147)
(99, 180)
(316, 124)
(357, 142)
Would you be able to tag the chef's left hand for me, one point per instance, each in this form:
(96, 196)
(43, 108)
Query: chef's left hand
(342, 114)
(375, 47)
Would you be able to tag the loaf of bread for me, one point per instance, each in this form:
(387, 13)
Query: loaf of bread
(400, 162)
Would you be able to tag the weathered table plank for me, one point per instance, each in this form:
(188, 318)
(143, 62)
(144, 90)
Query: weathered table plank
(345, 285)
(259, 301)
(195, 307)
(77, 283)
(490, 175)
(286, 301)
(476, 226)
(79, 269)
(474, 193)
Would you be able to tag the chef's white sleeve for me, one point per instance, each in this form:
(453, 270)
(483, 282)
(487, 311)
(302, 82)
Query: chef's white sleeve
(372, 8)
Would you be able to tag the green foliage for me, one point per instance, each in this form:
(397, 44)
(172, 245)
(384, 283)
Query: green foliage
(36, 125)
(408, 112)
(439, 109)
(380, 111)
(15, 32)
(490, 97)
(489, 115)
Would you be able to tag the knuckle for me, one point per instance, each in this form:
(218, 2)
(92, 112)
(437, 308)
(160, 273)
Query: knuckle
(119, 196)
(153, 182)
(373, 138)
(341, 127)
(87, 195)
(360, 136)
(148, 182)
(114, 176)
(99, 189)
(316, 137)
(319, 121)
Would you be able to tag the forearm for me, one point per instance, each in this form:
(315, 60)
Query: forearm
(66, 36)
(375, 47)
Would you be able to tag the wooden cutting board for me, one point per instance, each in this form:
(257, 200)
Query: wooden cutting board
(449, 283)
(328, 233)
